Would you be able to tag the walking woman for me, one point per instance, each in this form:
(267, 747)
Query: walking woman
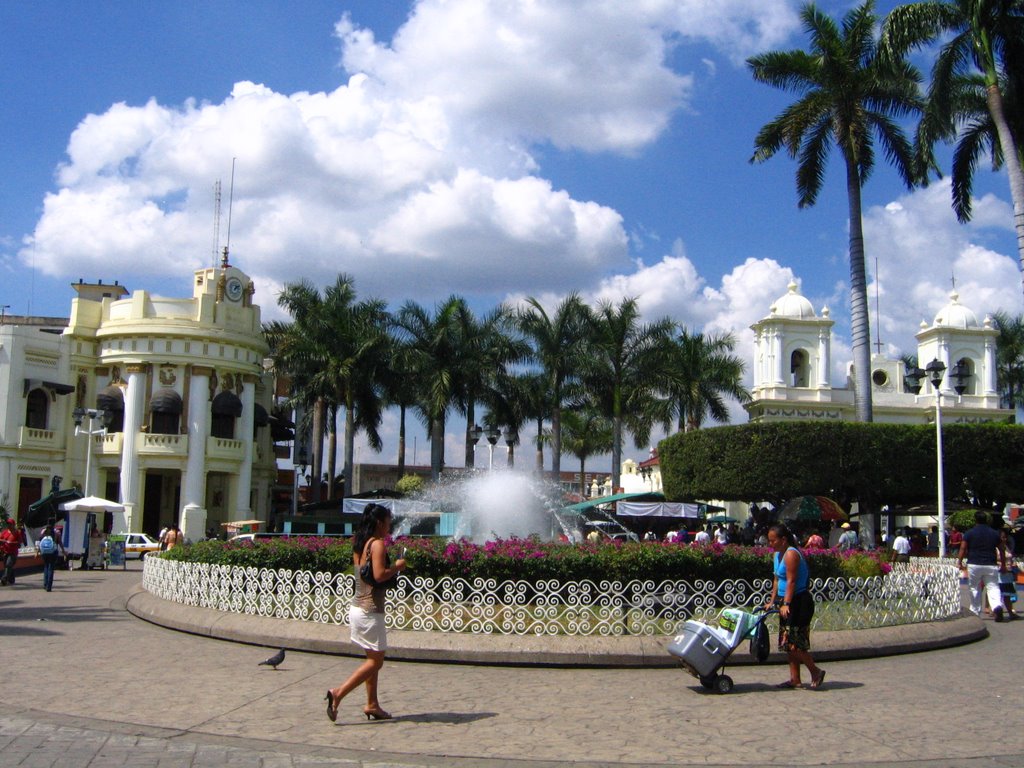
(49, 548)
(366, 614)
(791, 595)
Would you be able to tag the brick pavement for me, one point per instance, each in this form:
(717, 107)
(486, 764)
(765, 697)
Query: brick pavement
(87, 684)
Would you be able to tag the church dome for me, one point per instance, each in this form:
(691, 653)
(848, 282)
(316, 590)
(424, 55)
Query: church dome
(793, 305)
(956, 315)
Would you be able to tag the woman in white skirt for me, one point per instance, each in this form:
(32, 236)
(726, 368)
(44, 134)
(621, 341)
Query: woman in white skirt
(366, 614)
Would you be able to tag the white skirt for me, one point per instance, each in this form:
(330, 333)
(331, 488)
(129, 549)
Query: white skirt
(367, 629)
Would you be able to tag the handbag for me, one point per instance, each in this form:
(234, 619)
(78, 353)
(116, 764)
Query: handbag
(366, 573)
(760, 642)
(1008, 586)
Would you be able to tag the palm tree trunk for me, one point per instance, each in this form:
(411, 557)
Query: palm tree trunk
(616, 450)
(317, 459)
(470, 445)
(332, 452)
(860, 326)
(539, 463)
(583, 480)
(350, 441)
(556, 441)
(436, 447)
(401, 441)
(1013, 169)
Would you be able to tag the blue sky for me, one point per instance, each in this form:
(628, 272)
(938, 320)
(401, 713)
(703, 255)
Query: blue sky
(491, 149)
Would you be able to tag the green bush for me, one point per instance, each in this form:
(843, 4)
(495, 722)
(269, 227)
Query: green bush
(531, 560)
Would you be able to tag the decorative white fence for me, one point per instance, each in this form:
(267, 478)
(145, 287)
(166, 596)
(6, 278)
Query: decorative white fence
(922, 590)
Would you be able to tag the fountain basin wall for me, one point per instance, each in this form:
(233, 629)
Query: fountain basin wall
(922, 590)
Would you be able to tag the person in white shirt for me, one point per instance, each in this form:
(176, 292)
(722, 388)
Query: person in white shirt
(848, 539)
(702, 538)
(721, 535)
(901, 547)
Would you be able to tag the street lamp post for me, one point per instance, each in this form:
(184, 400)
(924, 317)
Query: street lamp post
(80, 415)
(511, 438)
(492, 437)
(936, 371)
(474, 435)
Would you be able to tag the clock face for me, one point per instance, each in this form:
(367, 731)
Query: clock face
(234, 289)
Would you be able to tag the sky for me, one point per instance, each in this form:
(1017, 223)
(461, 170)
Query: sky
(494, 149)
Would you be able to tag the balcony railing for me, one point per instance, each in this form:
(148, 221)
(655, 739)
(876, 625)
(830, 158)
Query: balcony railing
(45, 439)
(223, 448)
(164, 445)
(109, 444)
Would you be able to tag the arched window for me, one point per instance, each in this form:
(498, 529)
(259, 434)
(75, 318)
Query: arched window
(800, 368)
(967, 378)
(37, 409)
(165, 412)
(111, 402)
(226, 407)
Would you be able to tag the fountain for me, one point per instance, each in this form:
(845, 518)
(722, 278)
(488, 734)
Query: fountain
(488, 505)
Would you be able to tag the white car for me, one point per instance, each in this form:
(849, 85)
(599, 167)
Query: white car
(137, 545)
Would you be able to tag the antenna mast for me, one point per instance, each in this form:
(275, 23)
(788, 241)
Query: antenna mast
(231, 200)
(216, 221)
(878, 329)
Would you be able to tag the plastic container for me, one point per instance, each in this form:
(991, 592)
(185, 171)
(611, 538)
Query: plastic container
(700, 647)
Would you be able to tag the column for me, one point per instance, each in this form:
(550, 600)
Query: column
(778, 365)
(134, 405)
(243, 480)
(194, 481)
(989, 381)
(824, 357)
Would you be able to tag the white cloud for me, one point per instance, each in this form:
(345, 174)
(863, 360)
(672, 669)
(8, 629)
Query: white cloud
(921, 247)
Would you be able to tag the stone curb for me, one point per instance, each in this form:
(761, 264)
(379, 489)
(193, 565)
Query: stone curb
(553, 650)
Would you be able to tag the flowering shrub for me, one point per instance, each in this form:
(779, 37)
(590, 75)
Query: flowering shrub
(533, 560)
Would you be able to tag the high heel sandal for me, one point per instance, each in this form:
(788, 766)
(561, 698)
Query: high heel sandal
(332, 709)
(376, 714)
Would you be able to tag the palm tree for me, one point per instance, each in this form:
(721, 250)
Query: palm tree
(487, 348)
(510, 403)
(625, 361)
(850, 96)
(702, 372)
(585, 433)
(435, 343)
(969, 123)
(557, 351)
(1010, 358)
(977, 34)
(401, 386)
(335, 347)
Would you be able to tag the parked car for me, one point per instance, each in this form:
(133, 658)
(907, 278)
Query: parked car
(138, 545)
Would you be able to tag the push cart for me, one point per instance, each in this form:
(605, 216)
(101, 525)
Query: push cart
(703, 649)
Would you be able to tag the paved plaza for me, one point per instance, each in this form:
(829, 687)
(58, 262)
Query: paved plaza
(88, 684)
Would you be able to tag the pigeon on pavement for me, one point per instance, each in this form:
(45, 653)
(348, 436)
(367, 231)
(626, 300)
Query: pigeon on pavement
(274, 660)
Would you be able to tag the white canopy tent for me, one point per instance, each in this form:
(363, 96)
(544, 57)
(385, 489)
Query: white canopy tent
(76, 523)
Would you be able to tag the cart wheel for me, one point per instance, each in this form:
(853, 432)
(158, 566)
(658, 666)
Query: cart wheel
(708, 681)
(723, 684)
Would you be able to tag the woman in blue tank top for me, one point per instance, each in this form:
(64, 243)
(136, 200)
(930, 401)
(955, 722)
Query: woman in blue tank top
(790, 594)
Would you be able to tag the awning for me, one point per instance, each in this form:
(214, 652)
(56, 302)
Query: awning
(599, 501)
(53, 386)
(110, 399)
(658, 509)
(260, 416)
(227, 404)
(49, 506)
(166, 401)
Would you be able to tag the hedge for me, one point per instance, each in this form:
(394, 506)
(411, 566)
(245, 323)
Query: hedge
(531, 560)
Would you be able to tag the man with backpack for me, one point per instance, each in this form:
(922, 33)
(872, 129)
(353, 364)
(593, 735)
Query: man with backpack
(49, 547)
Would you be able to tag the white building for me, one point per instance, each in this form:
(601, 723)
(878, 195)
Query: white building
(183, 392)
(792, 365)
